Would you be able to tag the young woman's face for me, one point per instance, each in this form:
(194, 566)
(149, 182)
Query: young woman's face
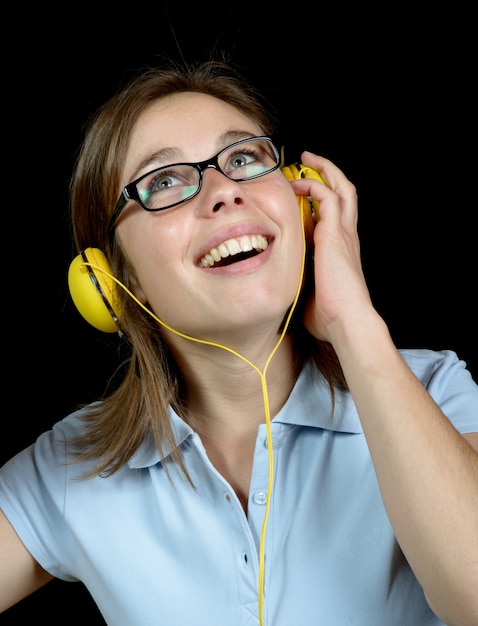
(166, 248)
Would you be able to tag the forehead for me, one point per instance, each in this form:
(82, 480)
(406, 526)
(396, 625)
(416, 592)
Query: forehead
(189, 122)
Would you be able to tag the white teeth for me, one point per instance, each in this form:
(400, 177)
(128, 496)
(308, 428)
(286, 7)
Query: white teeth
(246, 244)
(222, 251)
(231, 247)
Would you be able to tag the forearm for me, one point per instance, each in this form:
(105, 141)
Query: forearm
(427, 472)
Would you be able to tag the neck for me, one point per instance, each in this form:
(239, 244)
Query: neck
(224, 402)
(223, 391)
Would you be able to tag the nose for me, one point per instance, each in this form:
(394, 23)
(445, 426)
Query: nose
(219, 192)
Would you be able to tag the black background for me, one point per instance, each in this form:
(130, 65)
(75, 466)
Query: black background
(388, 96)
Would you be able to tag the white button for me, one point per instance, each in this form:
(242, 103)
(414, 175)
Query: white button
(275, 441)
(260, 497)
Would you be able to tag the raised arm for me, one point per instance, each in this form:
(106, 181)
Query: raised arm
(427, 471)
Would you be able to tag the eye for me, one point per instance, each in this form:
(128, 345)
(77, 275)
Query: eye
(166, 179)
(168, 185)
(163, 181)
(239, 160)
(156, 185)
(249, 160)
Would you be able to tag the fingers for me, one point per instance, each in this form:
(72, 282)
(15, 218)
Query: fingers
(339, 281)
(332, 175)
(338, 191)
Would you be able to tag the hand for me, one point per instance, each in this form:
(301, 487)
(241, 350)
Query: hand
(341, 293)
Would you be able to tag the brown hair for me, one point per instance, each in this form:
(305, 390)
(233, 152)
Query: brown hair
(139, 405)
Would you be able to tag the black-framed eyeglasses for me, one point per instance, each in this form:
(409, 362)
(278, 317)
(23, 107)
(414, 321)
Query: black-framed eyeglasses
(170, 185)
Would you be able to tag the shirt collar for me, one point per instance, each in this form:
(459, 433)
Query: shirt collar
(309, 405)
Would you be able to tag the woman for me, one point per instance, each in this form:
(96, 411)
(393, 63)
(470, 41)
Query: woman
(269, 457)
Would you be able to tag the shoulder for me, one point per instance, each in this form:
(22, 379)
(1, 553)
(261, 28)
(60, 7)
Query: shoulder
(449, 382)
(430, 365)
(52, 450)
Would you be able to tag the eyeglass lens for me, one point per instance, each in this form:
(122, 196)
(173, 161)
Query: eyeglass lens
(173, 184)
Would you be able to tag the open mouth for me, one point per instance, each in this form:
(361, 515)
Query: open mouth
(234, 250)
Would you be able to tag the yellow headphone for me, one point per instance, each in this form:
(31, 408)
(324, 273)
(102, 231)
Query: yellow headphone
(92, 286)
(93, 291)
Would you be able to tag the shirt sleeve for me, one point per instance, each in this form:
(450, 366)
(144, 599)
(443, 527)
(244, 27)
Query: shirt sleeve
(450, 384)
(33, 487)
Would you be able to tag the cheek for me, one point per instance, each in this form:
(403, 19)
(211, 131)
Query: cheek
(285, 198)
(289, 214)
(154, 246)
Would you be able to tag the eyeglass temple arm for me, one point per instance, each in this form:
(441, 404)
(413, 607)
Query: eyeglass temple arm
(118, 208)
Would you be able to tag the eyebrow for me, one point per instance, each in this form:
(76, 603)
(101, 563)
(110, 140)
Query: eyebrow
(172, 155)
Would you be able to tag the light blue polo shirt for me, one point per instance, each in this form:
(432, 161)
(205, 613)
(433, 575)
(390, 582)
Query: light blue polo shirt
(156, 555)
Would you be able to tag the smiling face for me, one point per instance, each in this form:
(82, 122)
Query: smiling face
(227, 259)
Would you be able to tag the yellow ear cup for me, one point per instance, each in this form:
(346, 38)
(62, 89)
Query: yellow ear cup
(308, 206)
(93, 291)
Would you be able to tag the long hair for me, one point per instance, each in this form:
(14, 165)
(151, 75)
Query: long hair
(151, 382)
